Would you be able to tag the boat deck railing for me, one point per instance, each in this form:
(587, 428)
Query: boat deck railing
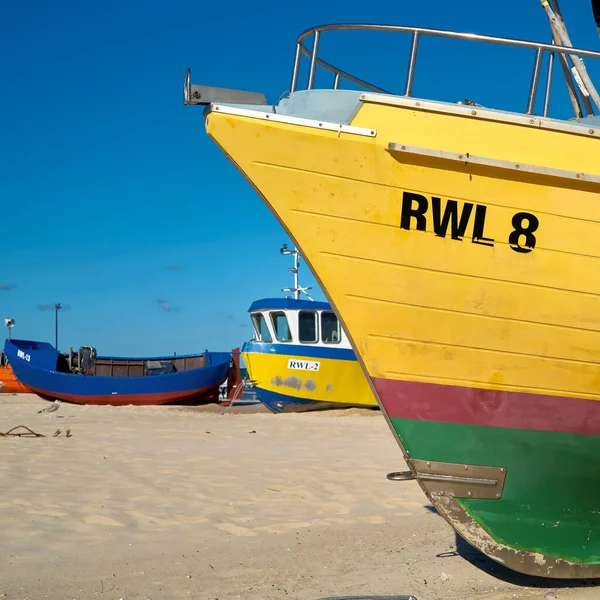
(417, 33)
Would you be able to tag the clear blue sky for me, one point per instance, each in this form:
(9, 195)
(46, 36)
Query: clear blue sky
(106, 179)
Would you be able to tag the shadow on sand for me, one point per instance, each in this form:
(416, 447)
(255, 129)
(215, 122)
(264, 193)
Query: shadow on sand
(469, 553)
(491, 567)
(369, 598)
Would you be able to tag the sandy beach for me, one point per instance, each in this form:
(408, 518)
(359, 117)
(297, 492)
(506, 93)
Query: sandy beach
(173, 502)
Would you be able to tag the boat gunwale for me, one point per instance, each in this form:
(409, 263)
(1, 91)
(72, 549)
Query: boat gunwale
(412, 103)
(481, 112)
(127, 377)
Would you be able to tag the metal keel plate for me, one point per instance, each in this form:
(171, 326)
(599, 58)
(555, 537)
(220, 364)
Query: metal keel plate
(459, 480)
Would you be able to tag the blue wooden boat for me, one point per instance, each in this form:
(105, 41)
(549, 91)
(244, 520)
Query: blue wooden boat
(83, 377)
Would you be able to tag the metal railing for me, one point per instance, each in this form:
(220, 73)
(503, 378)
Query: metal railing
(417, 33)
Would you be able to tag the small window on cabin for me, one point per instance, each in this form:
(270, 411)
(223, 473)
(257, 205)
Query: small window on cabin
(330, 328)
(307, 326)
(260, 328)
(281, 327)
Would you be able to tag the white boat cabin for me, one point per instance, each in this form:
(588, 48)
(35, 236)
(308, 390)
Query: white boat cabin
(290, 321)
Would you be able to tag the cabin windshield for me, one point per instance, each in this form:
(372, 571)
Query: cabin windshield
(307, 327)
(330, 328)
(281, 327)
(261, 328)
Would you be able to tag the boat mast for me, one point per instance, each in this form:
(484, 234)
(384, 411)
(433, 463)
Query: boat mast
(569, 80)
(297, 289)
(579, 71)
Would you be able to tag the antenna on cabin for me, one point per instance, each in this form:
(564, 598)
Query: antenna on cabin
(297, 289)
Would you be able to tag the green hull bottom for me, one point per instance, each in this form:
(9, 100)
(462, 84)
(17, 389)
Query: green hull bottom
(550, 505)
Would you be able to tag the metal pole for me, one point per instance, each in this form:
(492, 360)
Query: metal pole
(535, 78)
(313, 60)
(582, 77)
(296, 265)
(336, 81)
(410, 76)
(296, 68)
(57, 307)
(549, 84)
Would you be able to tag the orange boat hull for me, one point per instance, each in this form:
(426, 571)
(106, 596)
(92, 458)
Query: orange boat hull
(11, 384)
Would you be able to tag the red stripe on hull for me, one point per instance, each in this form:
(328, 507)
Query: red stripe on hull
(492, 408)
(203, 395)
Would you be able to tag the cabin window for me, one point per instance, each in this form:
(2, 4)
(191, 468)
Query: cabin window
(261, 329)
(330, 328)
(281, 327)
(307, 326)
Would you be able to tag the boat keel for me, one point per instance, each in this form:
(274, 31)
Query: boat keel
(528, 563)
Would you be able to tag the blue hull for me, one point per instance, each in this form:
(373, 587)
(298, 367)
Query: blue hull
(281, 403)
(34, 364)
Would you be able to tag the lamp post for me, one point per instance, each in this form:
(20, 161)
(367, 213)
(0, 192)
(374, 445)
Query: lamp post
(57, 307)
(10, 323)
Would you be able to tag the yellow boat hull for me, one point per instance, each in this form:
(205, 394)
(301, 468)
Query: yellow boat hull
(301, 381)
(469, 291)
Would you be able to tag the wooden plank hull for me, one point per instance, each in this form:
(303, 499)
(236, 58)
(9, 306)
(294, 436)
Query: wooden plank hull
(468, 291)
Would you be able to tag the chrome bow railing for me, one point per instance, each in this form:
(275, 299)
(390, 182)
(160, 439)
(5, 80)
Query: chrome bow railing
(417, 33)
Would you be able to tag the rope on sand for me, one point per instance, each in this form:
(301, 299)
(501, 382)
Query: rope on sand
(30, 433)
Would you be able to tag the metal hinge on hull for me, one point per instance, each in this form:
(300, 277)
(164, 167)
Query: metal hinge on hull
(455, 480)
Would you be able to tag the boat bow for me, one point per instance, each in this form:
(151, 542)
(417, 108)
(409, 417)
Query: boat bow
(454, 241)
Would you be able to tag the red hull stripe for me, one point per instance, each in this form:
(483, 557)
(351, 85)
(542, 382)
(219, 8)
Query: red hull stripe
(492, 408)
(135, 399)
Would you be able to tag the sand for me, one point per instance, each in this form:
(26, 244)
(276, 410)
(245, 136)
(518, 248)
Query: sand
(168, 502)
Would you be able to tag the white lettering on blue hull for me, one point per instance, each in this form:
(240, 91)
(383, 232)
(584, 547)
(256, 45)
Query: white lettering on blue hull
(26, 357)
